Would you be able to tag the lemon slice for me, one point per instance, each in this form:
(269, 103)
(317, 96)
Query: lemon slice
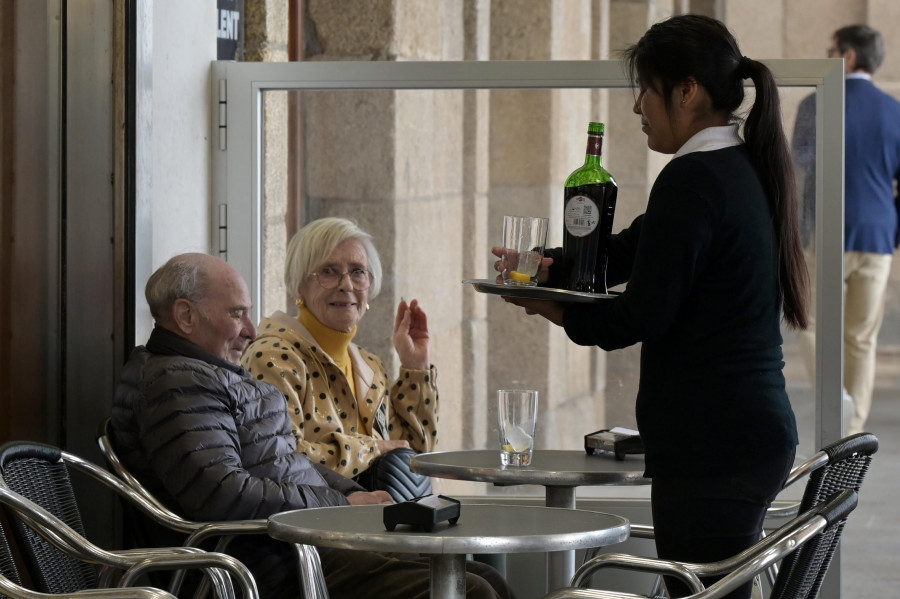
(519, 277)
(508, 447)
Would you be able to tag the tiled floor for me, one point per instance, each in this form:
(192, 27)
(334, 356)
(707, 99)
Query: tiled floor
(870, 562)
(871, 546)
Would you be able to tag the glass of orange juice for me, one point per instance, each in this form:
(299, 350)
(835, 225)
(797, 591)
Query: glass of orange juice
(524, 238)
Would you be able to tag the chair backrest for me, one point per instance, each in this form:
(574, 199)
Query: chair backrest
(312, 579)
(107, 449)
(8, 567)
(139, 529)
(802, 572)
(37, 472)
(824, 520)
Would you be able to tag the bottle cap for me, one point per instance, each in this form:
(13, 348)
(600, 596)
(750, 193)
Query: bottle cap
(596, 127)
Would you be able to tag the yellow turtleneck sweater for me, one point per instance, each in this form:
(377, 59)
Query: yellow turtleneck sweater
(333, 342)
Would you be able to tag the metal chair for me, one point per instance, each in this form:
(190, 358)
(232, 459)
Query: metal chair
(8, 571)
(813, 531)
(11, 583)
(46, 521)
(775, 512)
(838, 466)
(309, 566)
(848, 462)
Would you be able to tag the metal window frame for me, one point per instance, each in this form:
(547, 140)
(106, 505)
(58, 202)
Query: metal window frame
(237, 130)
(237, 109)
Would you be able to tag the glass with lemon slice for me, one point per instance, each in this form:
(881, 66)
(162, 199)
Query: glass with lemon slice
(524, 238)
(517, 414)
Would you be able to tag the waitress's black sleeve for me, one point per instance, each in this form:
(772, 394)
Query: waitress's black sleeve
(702, 296)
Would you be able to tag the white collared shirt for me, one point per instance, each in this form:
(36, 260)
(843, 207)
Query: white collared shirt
(711, 138)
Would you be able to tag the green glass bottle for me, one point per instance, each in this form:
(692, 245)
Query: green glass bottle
(590, 204)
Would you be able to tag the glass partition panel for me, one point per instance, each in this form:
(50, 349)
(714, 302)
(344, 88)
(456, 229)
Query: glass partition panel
(428, 157)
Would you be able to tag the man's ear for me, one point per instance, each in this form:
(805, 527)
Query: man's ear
(850, 60)
(184, 316)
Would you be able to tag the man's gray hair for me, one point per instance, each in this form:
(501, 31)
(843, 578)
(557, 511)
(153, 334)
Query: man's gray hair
(866, 41)
(313, 243)
(179, 278)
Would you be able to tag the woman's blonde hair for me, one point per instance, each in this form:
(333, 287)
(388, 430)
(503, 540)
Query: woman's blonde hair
(313, 243)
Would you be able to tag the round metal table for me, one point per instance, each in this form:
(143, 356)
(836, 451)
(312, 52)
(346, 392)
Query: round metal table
(560, 472)
(481, 529)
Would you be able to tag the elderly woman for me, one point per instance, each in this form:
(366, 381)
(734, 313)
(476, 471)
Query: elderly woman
(345, 413)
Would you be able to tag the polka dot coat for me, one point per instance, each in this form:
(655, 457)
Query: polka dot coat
(326, 416)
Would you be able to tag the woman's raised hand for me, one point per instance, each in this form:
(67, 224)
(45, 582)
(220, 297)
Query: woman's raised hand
(411, 338)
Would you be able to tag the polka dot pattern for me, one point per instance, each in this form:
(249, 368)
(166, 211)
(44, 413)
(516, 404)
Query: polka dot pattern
(329, 424)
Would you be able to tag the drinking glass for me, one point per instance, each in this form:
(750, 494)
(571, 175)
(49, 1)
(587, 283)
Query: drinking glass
(524, 238)
(517, 412)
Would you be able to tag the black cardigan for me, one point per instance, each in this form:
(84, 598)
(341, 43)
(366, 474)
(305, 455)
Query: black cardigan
(701, 266)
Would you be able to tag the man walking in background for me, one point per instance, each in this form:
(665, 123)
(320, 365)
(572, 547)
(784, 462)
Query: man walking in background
(872, 169)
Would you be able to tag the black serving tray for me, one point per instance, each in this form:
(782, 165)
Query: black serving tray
(538, 293)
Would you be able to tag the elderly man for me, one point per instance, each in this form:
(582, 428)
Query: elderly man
(215, 444)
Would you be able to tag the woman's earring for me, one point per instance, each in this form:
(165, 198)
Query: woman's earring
(367, 307)
(299, 302)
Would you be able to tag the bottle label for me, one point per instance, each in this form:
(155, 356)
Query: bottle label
(594, 145)
(581, 216)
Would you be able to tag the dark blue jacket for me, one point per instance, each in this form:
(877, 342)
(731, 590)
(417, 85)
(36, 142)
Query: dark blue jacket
(872, 164)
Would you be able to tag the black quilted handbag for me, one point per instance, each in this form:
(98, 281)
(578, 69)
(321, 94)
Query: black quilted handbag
(390, 472)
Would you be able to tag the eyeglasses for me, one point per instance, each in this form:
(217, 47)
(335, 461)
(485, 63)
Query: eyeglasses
(329, 277)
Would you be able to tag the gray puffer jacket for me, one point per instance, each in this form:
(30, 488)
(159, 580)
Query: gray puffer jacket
(211, 441)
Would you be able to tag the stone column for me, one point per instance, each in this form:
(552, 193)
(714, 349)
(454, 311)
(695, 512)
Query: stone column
(537, 137)
(635, 167)
(393, 160)
(884, 15)
(475, 243)
(753, 27)
(266, 34)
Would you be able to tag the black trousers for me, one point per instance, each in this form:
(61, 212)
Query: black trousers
(357, 574)
(709, 518)
(369, 575)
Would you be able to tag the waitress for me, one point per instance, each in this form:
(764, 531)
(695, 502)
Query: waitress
(712, 267)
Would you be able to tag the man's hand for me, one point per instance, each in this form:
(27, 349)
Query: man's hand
(385, 446)
(370, 498)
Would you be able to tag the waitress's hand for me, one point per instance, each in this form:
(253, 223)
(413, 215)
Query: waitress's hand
(552, 311)
(500, 265)
(411, 338)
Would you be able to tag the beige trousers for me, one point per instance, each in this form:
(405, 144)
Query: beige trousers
(865, 282)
